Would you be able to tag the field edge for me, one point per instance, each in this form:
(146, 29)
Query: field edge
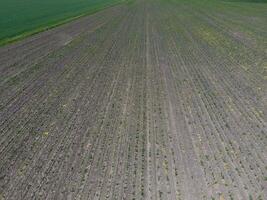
(26, 34)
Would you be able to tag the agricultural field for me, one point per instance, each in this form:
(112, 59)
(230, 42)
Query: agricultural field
(21, 18)
(145, 100)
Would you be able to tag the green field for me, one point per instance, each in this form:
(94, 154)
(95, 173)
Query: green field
(21, 18)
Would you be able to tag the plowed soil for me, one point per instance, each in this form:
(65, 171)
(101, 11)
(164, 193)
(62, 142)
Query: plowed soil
(153, 99)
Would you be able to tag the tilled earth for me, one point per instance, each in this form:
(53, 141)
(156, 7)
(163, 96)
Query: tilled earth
(144, 100)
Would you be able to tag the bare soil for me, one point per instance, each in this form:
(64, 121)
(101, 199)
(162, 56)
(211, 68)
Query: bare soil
(147, 100)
